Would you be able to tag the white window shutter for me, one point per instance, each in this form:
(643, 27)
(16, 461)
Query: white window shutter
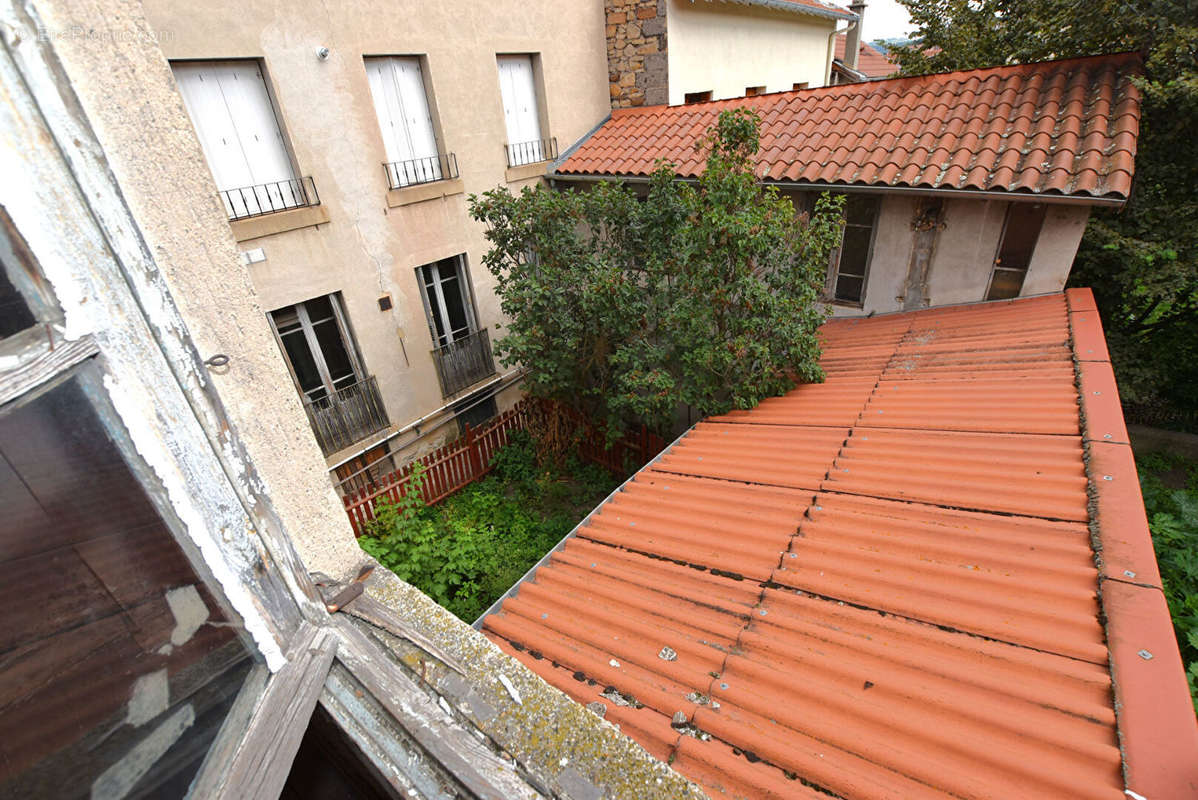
(236, 125)
(199, 83)
(518, 89)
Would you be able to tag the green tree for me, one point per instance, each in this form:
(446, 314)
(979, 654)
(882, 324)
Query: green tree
(627, 308)
(1141, 260)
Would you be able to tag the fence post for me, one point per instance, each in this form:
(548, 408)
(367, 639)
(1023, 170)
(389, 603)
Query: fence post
(476, 465)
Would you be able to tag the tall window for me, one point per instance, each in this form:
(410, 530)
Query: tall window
(445, 286)
(239, 132)
(319, 349)
(518, 86)
(849, 266)
(1021, 230)
(401, 103)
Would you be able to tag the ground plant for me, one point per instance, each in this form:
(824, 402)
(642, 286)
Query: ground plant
(468, 550)
(628, 305)
(1169, 483)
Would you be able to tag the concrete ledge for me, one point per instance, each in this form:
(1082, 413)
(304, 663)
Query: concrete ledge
(423, 191)
(526, 171)
(278, 222)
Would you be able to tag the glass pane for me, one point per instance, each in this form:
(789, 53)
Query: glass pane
(860, 210)
(1005, 284)
(451, 288)
(1019, 238)
(319, 308)
(286, 319)
(117, 666)
(435, 323)
(333, 349)
(849, 289)
(15, 315)
(303, 364)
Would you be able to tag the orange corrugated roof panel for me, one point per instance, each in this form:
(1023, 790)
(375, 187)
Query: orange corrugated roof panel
(1065, 128)
(928, 577)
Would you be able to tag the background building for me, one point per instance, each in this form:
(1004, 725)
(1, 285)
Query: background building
(343, 147)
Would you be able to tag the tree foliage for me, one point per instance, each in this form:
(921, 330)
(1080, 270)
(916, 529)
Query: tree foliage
(1142, 260)
(704, 295)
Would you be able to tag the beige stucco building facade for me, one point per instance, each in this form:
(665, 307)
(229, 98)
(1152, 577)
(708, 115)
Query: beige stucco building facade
(727, 48)
(365, 242)
(962, 255)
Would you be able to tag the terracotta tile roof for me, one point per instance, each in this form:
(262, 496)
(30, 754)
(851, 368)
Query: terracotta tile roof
(886, 585)
(1063, 127)
(871, 61)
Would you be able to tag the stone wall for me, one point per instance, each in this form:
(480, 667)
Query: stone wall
(637, 68)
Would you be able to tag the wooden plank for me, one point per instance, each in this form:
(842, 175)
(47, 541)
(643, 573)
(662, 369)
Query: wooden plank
(459, 754)
(262, 761)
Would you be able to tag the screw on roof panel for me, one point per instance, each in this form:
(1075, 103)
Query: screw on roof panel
(1144, 654)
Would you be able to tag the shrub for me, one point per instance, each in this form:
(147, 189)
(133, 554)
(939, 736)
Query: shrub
(1173, 519)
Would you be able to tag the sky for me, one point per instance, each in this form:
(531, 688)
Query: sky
(884, 19)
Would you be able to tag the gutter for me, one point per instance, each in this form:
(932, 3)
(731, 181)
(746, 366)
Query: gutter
(915, 191)
(795, 8)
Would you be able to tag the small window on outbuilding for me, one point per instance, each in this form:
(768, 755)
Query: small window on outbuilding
(849, 266)
(801, 85)
(696, 97)
(1020, 232)
(753, 91)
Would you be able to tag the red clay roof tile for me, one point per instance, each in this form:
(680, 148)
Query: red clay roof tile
(1062, 127)
(885, 584)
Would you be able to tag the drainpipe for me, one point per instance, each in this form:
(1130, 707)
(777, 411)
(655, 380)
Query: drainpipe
(832, 47)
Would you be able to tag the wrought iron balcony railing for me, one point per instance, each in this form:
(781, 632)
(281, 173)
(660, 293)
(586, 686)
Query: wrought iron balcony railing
(347, 416)
(522, 153)
(464, 362)
(441, 167)
(267, 198)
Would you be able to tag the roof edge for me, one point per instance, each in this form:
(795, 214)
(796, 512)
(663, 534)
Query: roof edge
(1158, 736)
(798, 8)
(1115, 201)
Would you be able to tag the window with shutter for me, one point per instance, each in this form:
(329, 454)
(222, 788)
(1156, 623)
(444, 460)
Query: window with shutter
(517, 86)
(239, 132)
(405, 120)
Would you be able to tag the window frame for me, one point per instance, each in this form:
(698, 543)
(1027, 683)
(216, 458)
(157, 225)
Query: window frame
(348, 342)
(267, 196)
(465, 287)
(427, 168)
(1002, 239)
(833, 274)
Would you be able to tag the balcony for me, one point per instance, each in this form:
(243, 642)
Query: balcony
(537, 150)
(267, 198)
(464, 362)
(347, 416)
(415, 171)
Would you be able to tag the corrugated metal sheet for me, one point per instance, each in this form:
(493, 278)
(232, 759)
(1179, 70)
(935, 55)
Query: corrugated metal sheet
(881, 586)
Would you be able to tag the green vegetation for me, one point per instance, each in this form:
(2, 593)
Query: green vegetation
(468, 550)
(701, 294)
(1141, 260)
(1170, 486)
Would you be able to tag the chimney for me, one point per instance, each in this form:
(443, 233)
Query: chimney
(852, 39)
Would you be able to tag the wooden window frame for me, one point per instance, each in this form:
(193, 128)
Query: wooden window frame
(309, 333)
(833, 273)
(994, 264)
(466, 287)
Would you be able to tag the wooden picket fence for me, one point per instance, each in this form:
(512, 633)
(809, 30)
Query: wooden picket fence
(460, 463)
